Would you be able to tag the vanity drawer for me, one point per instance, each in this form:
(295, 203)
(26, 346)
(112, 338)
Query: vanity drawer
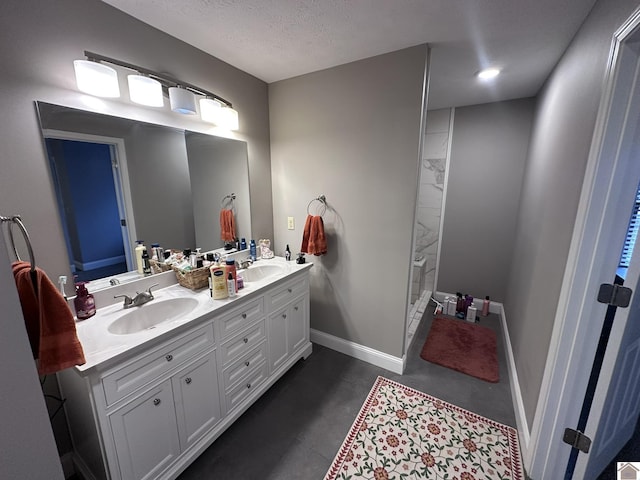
(245, 388)
(145, 369)
(241, 344)
(244, 366)
(241, 317)
(287, 292)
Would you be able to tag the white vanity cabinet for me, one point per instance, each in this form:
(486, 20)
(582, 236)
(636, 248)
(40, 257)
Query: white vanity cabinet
(150, 415)
(288, 321)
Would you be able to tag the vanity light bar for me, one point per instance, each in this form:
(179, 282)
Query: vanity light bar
(167, 82)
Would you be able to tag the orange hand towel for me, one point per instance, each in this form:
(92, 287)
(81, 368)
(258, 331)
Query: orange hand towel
(227, 226)
(49, 321)
(314, 240)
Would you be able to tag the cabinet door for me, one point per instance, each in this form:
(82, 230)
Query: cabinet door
(278, 344)
(146, 434)
(197, 399)
(298, 326)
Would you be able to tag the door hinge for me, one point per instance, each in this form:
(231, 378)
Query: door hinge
(123, 222)
(577, 439)
(614, 295)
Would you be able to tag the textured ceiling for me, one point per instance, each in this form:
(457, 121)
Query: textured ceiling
(278, 39)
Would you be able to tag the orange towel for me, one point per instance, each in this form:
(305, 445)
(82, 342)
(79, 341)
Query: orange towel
(314, 241)
(49, 321)
(227, 226)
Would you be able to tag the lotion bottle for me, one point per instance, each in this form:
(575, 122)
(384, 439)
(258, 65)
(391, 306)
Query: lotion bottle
(231, 286)
(218, 283)
(139, 249)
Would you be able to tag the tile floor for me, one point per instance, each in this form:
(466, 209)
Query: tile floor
(295, 429)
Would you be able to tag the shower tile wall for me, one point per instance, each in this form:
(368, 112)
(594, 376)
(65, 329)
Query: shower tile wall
(434, 161)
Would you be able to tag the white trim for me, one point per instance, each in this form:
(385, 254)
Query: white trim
(119, 149)
(103, 262)
(514, 384)
(355, 350)
(516, 392)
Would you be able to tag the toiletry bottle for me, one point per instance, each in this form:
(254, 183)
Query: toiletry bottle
(231, 285)
(252, 250)
(239, 281)
(486, 304)
(84, 302)
(230, 265)
(146, 266)
(139, 249)
(243, 244)
(287, 253)
(218, 282)
(471, 313)
(459, 302)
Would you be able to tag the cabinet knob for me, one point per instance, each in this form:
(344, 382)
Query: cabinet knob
(187, 380)
(244, 315)
(245, 340)
(284, 315)
(247, 363)
(289, 290)
(156, 401)
(248, 385)
(169, 357)
(295, 308)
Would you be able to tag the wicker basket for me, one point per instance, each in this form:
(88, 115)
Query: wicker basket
(194, 279)
(159, 267)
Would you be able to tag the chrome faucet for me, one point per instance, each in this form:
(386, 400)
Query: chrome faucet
(246, 263)
(140, 299)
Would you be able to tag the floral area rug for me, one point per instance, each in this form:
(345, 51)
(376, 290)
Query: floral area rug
(401, 433)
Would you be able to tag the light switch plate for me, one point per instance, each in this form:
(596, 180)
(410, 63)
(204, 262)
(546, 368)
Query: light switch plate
(291, 224)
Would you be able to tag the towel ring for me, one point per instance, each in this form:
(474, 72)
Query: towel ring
(227, 200)
(323, 204)
(18, 221)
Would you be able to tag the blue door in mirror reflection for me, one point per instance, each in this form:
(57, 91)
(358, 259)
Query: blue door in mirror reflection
(87, 194)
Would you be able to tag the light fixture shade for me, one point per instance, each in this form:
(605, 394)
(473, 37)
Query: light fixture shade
(210, 110)
(96, 79)
(488, 73)
(229, 118)
(145, 91)
(182, 101)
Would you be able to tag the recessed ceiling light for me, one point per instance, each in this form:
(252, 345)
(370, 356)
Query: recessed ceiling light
(488, 73)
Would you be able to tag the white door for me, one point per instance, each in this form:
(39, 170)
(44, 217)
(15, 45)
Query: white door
(611, 181)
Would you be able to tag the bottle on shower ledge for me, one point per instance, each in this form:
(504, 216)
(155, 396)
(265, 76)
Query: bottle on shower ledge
(486, 305)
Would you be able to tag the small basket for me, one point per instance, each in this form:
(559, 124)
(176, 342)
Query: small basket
(194, 279)
(159, 267)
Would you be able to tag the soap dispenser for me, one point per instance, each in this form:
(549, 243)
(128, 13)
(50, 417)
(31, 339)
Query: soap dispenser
(84, 302)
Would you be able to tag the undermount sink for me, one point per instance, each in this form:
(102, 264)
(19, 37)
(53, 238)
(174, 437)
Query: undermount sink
(256, 273)
(152, 314)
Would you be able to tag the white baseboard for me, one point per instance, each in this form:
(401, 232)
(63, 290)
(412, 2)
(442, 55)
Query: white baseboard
(516, 393)
(355, 350)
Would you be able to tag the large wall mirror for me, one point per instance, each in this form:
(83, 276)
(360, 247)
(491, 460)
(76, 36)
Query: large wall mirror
(119, 180)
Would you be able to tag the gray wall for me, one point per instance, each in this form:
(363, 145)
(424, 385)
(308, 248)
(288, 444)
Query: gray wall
(559, 148)
(27, 447)
(488, 156)
(40, 40)
(352, 133)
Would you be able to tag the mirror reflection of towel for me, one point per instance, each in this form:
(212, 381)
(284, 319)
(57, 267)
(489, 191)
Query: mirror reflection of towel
(227, 226)
(314, 241)
(49, 321)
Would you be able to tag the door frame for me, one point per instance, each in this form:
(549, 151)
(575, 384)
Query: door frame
(121, 178)
(575, 335)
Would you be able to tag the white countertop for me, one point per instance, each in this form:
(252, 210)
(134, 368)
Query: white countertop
(102, 348)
